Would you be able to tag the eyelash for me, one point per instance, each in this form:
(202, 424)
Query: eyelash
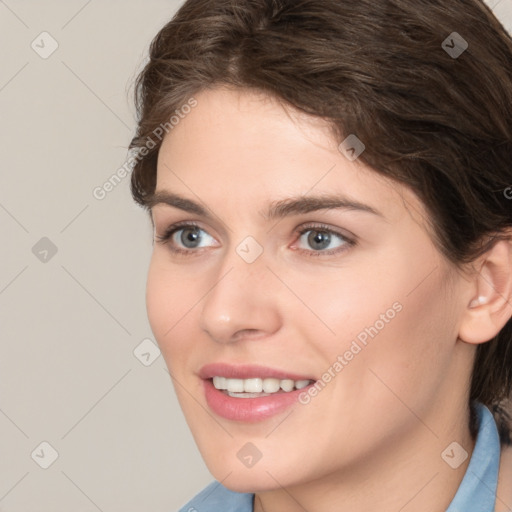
(322, 228)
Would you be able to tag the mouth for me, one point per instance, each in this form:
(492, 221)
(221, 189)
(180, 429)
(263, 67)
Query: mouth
(249, 393)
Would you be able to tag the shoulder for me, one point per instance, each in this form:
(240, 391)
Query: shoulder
(217, 498)
(504, 491)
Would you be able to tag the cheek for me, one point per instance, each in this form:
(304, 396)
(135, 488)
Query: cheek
(349, 304)
(157, 299)
(169, 300)
(406, 360)
(394, 336)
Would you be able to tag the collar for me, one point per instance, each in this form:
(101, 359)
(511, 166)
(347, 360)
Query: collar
(477, 491)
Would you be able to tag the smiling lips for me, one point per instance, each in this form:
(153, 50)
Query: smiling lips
(270, 391)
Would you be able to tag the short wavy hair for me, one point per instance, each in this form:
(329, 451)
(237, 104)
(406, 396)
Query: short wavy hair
(433, 114)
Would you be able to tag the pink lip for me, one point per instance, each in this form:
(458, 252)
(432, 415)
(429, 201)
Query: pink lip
(248, 409)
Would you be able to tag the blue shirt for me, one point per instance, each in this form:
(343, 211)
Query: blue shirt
(476, 493)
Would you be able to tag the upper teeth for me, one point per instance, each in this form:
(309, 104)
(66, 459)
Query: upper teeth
(257, 385)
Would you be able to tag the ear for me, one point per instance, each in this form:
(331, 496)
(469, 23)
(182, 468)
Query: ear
(490, 305)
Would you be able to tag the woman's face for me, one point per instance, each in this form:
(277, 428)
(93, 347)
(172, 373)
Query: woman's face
(361, 301)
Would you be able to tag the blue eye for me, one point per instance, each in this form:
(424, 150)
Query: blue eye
(190, 236)
(321, 237)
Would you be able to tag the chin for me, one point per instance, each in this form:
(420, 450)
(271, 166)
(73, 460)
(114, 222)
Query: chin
(259, 478)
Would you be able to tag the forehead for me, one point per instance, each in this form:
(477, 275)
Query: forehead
(240, 147)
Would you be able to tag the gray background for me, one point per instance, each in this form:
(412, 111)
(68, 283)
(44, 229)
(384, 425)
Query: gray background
(73, 372)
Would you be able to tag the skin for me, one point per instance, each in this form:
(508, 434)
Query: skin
(375, 433)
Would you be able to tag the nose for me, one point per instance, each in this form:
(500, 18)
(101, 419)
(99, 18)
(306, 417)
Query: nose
(242, 302)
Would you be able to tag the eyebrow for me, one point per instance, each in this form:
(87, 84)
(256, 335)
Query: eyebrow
(276, 209)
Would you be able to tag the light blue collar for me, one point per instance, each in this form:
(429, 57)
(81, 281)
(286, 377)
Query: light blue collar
(476, 493)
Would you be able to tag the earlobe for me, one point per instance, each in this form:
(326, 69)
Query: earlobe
(490, 305)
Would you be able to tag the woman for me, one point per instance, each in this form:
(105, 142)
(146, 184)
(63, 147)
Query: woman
(331, 282)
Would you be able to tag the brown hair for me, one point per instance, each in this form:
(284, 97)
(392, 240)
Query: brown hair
(434, 120)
